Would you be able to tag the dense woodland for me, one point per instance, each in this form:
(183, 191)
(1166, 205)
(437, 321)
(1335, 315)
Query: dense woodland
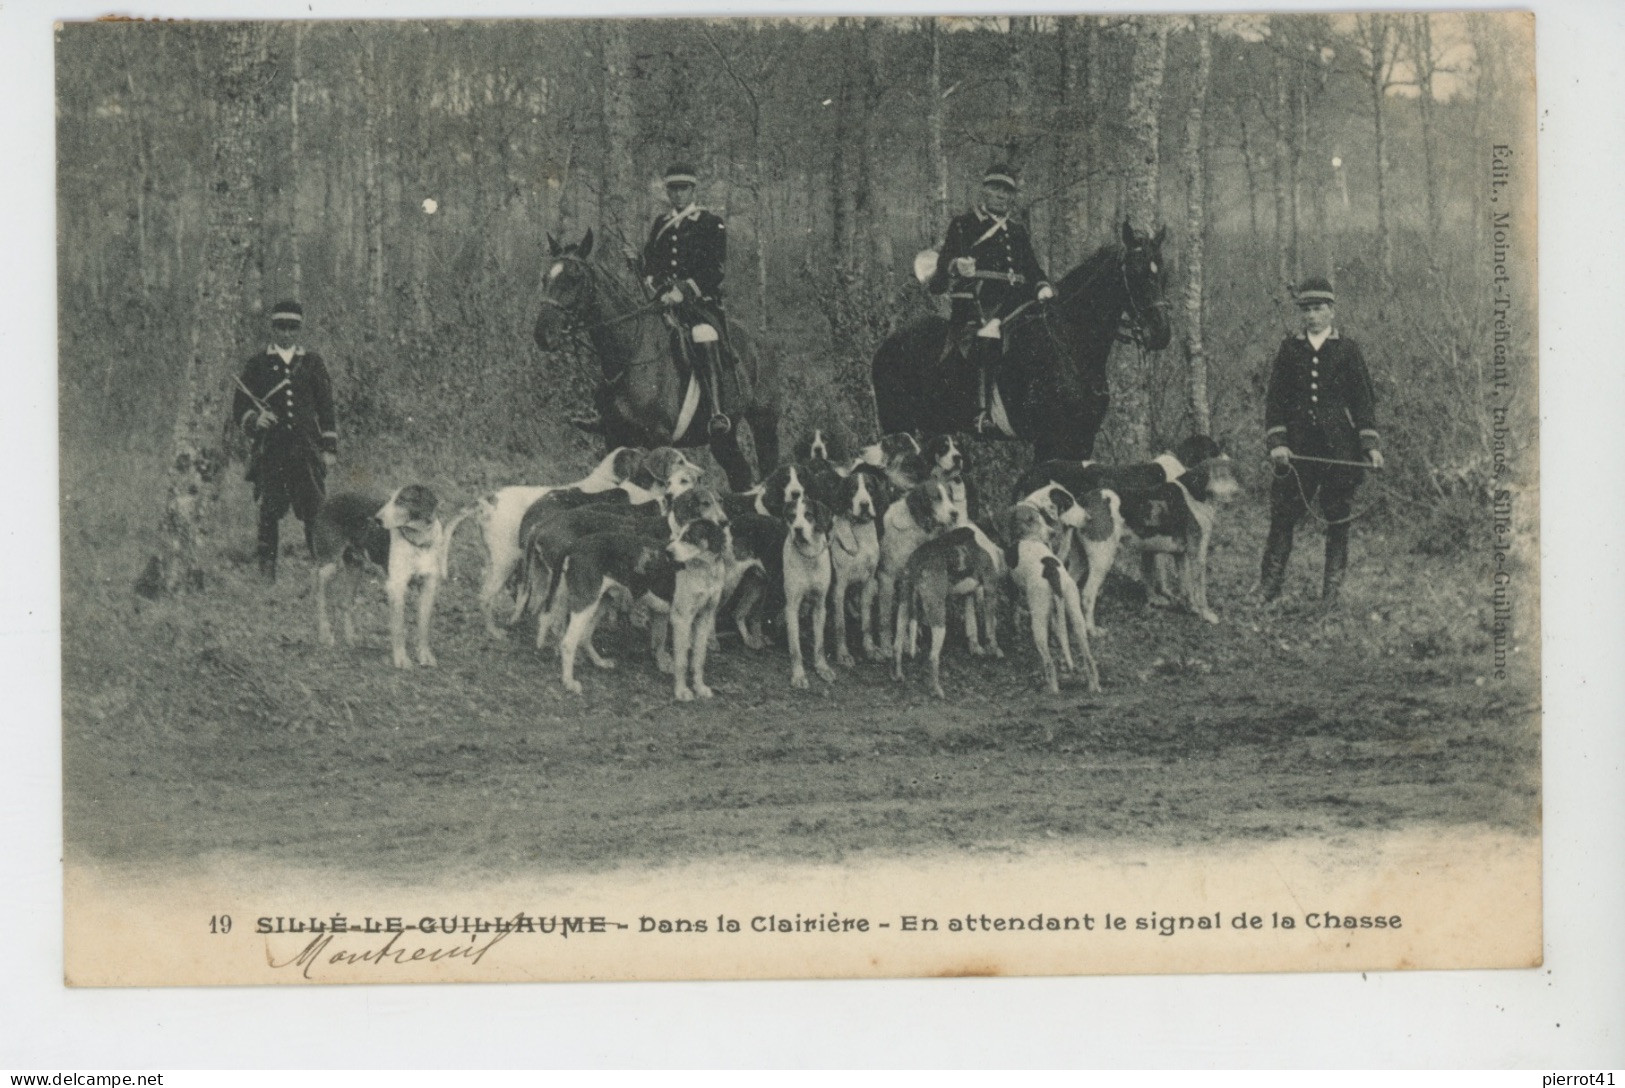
(402, 180)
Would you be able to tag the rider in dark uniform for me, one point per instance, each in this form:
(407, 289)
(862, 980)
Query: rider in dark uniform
(1320, 405)
(683, 264)
(988, 268)
(284, 402)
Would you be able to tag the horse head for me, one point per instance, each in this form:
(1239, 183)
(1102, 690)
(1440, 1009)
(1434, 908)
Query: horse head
(1145, 277)
(569, 295)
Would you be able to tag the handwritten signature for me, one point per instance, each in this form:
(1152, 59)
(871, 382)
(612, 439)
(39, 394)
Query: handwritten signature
(320, 953)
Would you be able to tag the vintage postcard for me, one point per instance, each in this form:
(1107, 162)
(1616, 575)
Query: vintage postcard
(798, 498)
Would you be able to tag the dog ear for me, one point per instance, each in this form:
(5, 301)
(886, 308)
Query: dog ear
(921, 500)
(552, 245)
(1062, 498)
(1006, 524)
(822, 517)
(418, 500)
(586, 244)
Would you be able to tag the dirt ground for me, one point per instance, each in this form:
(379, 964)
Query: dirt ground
(215, 724)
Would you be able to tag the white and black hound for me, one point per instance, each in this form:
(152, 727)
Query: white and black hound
(501, 512)
(404, 537)
(807, 574)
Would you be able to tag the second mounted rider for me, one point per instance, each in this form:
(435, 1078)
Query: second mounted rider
(682, 263)
(988, 269)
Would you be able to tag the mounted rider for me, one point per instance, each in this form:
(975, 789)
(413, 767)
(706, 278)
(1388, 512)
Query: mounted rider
(682, 263)
(988, 268)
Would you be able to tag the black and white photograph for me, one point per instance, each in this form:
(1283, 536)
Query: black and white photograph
(817, 497)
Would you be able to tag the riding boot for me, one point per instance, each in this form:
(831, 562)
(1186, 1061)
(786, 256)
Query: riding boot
(983, 353)
(270, 531)
(1337, 561)
(1277, 550)
(710, 359)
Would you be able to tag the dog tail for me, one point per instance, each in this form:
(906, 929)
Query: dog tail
(553, 584)
(461, 516)
(1053, 575)
(529, 585)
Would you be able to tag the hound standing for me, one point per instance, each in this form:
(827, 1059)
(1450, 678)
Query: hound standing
(404, 537)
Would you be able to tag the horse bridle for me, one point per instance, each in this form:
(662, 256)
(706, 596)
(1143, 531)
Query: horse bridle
(573, 321)
(1136, 315)
(1136, 318)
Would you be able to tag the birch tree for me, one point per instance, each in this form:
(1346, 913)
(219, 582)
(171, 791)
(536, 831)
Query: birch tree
(1195, 221)
(1379, 47)
(619, 174)
(1425, 66)
(196, 463)
(1142, 198)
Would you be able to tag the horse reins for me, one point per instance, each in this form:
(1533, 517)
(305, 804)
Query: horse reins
(1041, 310)
(576, 323)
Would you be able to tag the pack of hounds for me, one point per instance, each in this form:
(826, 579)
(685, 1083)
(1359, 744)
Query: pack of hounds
(875, 545)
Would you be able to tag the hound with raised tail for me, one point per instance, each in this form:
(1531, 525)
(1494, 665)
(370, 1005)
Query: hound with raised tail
(404, 537)
(807, 575)
(1168, 506)
(500, 512)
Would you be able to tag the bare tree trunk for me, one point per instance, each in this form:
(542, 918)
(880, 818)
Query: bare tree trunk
(934, 127)
(296, 265)
(1300, 142)
(143, 167)
(1282, 120)
(1021, 41)
(1141, 198)
(372, 204)
(758, 179)
(1093, 92)
(1018, 80)
(1066, 221)
(1424, 62)
(1375, 35)
(1195, 223)
(617, 179)
(843, 168)
(1252, 174)
(872, 245)
(1145, 100)
(196, 462)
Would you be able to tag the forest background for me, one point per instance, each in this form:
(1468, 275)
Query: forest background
(402, 179)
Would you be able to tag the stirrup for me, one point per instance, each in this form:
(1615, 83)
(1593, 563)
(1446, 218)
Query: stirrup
(984, 422)
(720, 424)
(593, 424)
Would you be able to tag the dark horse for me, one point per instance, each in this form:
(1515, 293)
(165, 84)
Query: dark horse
(632, 340)
(1052, 379)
